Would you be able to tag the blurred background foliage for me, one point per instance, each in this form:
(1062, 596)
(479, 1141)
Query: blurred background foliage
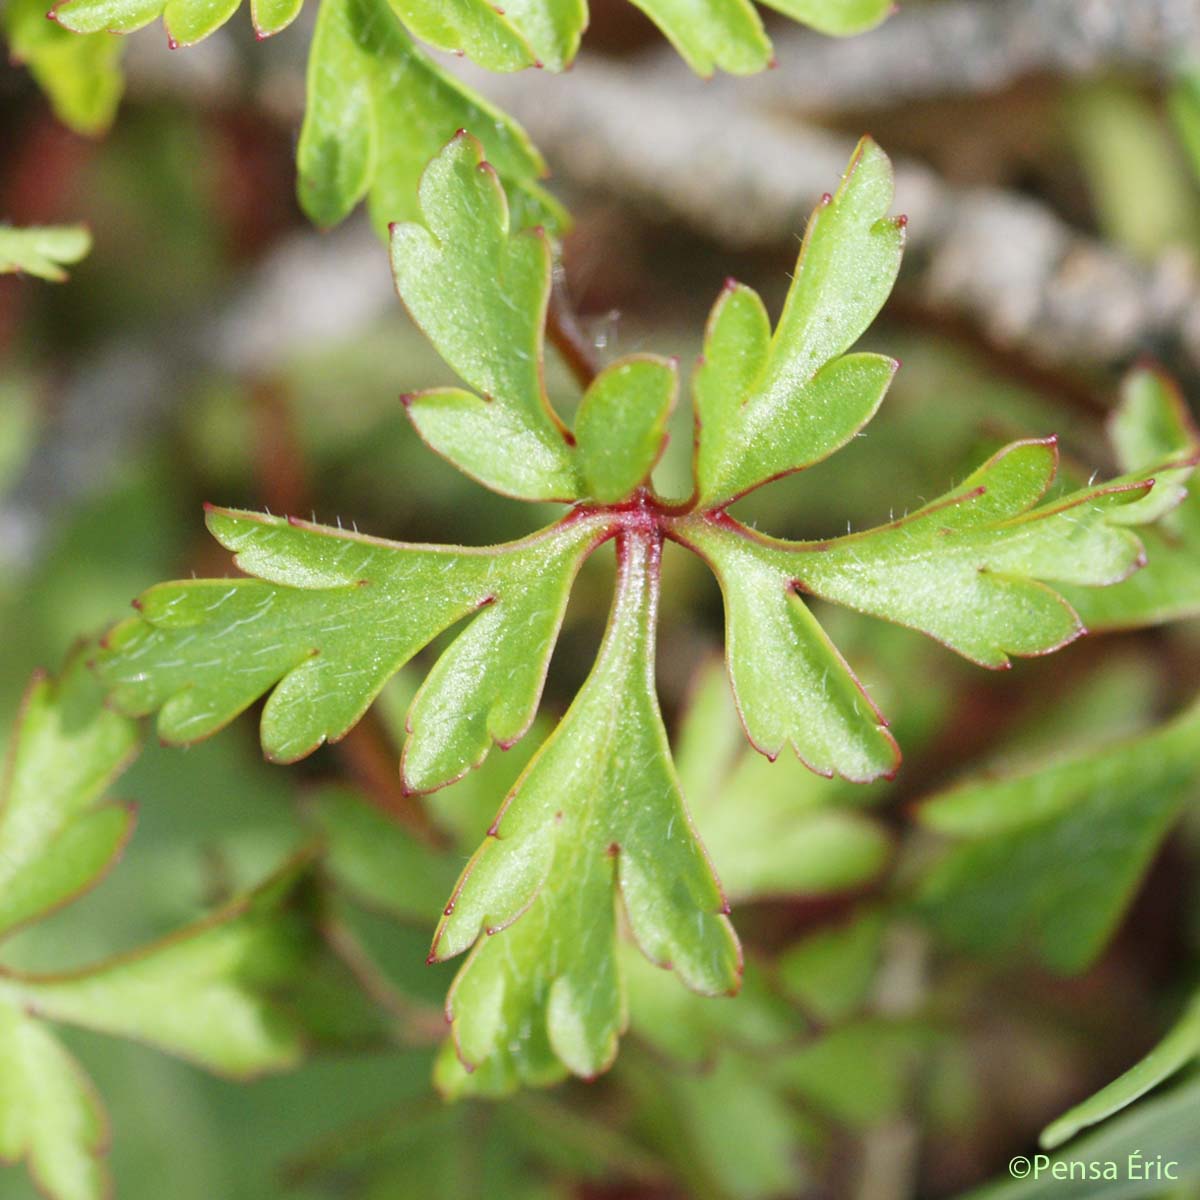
(889, 1042)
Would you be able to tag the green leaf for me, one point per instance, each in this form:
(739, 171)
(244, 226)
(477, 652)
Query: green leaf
(860, 1074)
(830, 972)
(1177, 1050)
(378, 109)
(50, 1114)
(1183, 103)
(1050, 858)
(186, 21)
(971, 568)
(490, 332)
(712, 34)
(543, 33)
(81, 76)
(42, 250)
(598, 811)
(376, 860)
(1151, 430)
(767, 405)
(1157, 1132)
(203, 993)
(56, 840)
(330, 618)
(771, 828)
(690, 1030)
(621, 426)
(752, 1149)
(793, 688)
(841, 18)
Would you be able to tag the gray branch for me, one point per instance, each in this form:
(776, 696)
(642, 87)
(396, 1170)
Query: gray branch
(965, 47)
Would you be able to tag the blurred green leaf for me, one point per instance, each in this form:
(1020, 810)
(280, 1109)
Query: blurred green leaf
(1184, 106)
(202, 993)
(1179, 1049)
(1137, 1144)
(42, 250)
(830, 972)
(378, 861)
(56, 839)
(378, 109)
(1050, 858)
(1152, 426)
(185, 21)
(1139, 183)
(544, 33)
(81, 76)
(50, 1114)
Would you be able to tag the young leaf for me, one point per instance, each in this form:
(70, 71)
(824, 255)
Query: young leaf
(43, 250)
(1018, 875)
(597, 811)
(56, 839)
(50, 1114)
(1178, 1049)
(378, 109)
(80, 75)
(330, 618)
(508, 436)
(768, 404)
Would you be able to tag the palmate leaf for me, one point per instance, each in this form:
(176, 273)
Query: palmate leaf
(1049, 858)
(598, 814)
(506, 433)
(42, 250)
